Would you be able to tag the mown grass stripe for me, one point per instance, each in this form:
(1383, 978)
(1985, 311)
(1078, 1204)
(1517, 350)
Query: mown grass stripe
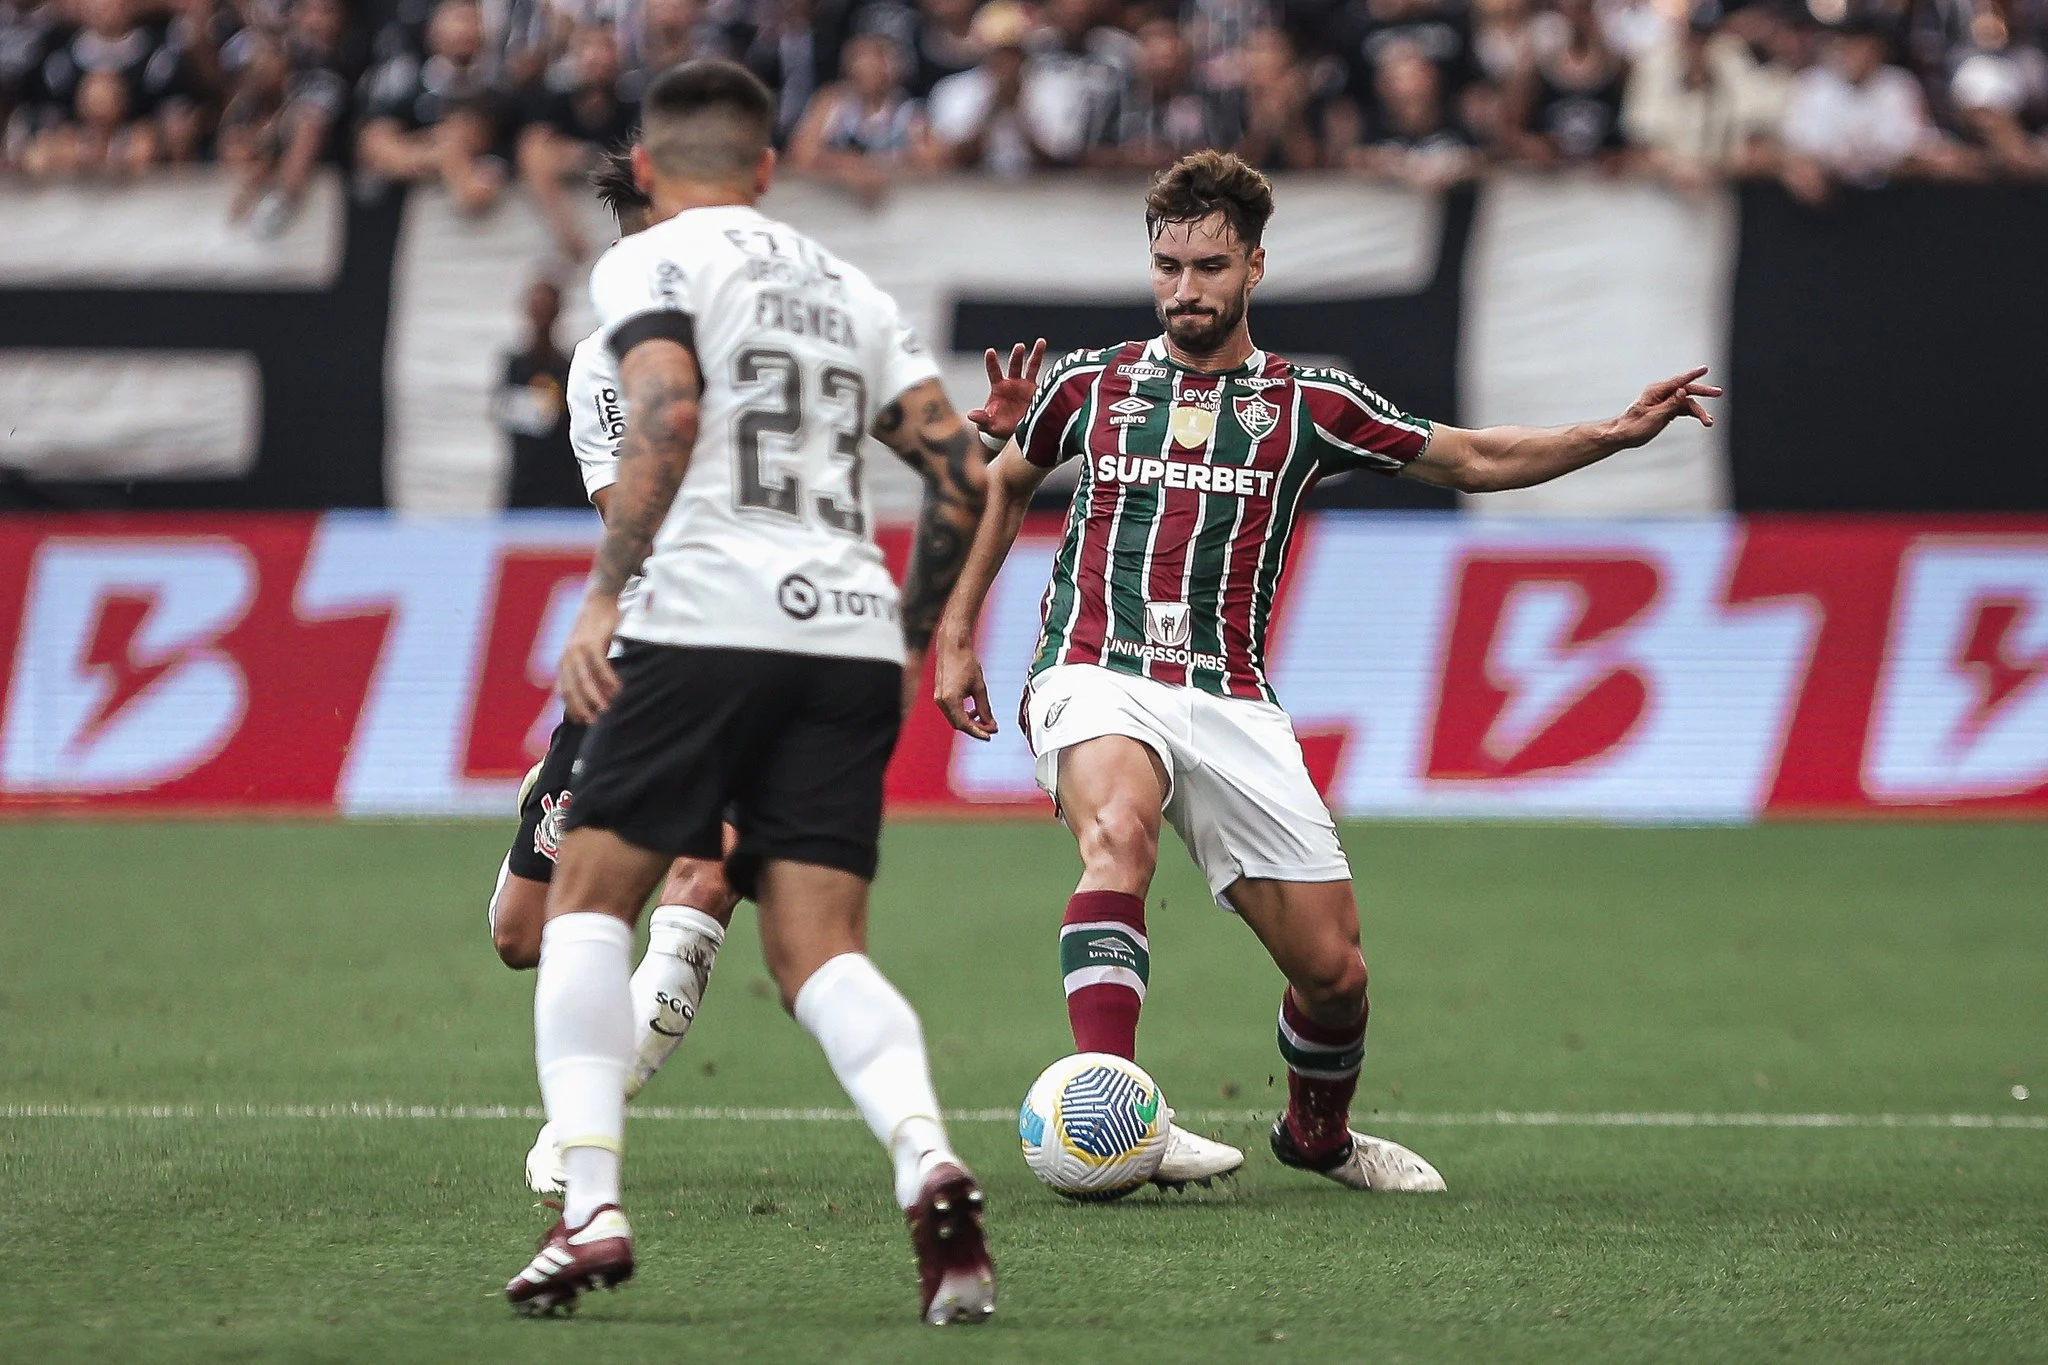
(1501, 1118)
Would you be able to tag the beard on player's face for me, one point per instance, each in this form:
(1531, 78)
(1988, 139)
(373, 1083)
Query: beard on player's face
(1202, 326)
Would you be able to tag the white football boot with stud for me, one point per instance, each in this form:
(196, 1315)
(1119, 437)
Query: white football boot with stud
(1191, 1159)
(1366, 1163)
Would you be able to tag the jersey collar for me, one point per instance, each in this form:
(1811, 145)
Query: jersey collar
(1155, 349)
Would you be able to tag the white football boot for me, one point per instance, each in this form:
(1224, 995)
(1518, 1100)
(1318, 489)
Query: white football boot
(1367, 1163)
(1192, 1159)
(544, 1171)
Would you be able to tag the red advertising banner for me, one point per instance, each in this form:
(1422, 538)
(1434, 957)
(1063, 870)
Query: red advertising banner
(1729, 669)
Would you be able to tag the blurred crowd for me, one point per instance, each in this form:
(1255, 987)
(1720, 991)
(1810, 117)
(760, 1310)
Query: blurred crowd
(477, 94)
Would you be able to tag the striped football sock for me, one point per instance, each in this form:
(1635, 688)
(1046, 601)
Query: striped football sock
(1322, 1076)
(1106, 963)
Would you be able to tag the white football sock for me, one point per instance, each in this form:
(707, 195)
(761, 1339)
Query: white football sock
(872, 1039)
(668, 986)
(583, 1046)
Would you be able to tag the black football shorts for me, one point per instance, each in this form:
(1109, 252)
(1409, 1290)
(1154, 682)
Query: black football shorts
(544, 806)
(792, 748)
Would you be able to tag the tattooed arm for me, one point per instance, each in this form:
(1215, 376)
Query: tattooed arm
(922, 428)
(660, 381)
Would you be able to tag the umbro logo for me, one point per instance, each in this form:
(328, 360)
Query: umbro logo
(1129, 412)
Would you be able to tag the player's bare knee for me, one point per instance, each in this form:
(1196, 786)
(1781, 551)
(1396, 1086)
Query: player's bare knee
(700, 884)
(1332, 988)
(518, 945)
(1120, 839)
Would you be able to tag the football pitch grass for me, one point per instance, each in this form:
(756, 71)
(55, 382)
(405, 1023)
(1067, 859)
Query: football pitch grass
(258, 979)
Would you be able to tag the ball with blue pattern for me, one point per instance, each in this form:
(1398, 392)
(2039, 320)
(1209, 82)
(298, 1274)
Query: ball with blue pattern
(1093, 1126)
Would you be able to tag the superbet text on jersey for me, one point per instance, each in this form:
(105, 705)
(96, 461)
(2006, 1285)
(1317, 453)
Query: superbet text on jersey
(769, 544)
(1190, 484)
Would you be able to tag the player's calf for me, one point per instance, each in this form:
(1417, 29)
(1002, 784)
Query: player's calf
(518, 909)
(1323, 1061)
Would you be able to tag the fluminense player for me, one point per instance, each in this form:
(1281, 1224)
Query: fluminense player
(762, 664)
(1148, 701)
(689, 922)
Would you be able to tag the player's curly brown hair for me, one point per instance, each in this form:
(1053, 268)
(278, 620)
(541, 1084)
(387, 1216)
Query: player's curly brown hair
(1206, 182)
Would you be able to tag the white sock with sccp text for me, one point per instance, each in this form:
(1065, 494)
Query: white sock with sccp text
(668, 985)
(583, 1046)
(876, 1047)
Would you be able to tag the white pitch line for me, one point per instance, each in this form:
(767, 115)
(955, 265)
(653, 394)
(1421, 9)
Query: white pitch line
(1500, 1118)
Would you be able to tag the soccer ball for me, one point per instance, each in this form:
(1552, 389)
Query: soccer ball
(1093, 1126)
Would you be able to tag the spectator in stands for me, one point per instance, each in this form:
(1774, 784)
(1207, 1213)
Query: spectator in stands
(667, 33)
(1504, 44)
(944, 44)
(1284, 118)
(1634, 27)
(286, 99)
(1217, 31)
(531, 407)
(569, 128)
(1076, 68)
(992, 118)
(29, 29)
(1362, 31)
(99, 137)
(521, 37)
(1414, 140)
(794, 57)
(1856, 120)
(2000, 92)
(864, 132)
(1694, 108)
(1571, 97)
(115, 96)
(437, 119)
(1160, 114)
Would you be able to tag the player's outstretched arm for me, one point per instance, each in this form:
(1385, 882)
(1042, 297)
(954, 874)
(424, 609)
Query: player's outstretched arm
(1495, 458)
(959, 687)
(661, 385)
(924, 430)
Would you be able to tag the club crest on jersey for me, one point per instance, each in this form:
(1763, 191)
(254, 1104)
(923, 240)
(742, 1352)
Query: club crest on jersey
(547, 831)
(1167, 623)
(1191, 426)
(1255, 415)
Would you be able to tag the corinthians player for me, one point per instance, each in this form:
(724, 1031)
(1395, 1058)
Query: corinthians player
(689, 921)
(762, 665)
(1148, 700)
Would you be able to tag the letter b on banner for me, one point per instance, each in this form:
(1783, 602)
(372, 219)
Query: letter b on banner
(1535, 678)
(118, 680)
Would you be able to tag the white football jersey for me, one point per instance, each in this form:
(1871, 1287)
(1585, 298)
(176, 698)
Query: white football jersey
(770, 544)
(597, 413)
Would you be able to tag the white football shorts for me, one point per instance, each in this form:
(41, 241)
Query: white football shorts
(1239, 796)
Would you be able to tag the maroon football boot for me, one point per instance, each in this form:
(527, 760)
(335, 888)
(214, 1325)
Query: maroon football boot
(598, 1255)
(956, 1279)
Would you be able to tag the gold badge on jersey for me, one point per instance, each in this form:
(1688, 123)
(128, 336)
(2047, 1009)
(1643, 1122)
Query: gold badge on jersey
(1191, 426)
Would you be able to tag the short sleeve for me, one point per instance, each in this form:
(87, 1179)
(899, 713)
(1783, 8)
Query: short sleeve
(597, 416)
(907, 362)
(639, 294)
(1355, 428)
(1049, 433)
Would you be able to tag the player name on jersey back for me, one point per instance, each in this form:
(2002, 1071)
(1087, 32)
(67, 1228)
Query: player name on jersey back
(770, 543)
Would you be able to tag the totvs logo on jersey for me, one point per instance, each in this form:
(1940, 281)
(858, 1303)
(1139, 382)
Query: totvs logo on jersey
(1710, 670)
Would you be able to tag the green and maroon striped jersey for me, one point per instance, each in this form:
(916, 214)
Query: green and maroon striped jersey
(1190, 487)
